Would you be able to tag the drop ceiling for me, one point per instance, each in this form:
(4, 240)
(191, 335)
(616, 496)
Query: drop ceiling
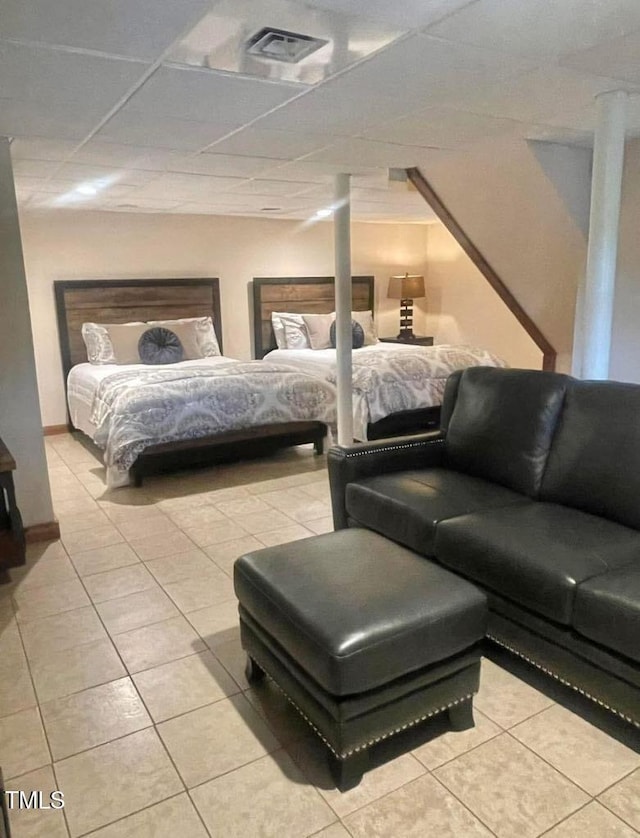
(155, 106)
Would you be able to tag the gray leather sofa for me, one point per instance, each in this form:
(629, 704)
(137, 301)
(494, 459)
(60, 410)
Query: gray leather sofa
(531, 489)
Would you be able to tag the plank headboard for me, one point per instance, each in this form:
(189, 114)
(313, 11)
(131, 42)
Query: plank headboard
(127, 300)
(309, 294)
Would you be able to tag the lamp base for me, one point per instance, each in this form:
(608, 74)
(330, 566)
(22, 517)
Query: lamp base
(406, 335)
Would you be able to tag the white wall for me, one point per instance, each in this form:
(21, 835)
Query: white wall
(625, 343)
(20, 425)
(94, 245)
(514, 211)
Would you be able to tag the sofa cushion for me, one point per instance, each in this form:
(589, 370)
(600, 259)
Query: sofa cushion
(594, 462)
(407, 505)
(607, 610)
(535, 554)
(502, 424)
(328, 602)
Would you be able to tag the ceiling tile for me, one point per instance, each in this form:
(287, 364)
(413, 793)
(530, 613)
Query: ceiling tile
(541, 29)
(80, 173)
(178, 186)
(129, 126)
(27, 119)
(223, 164)
(100, 153)
(258, 142)
(353, 155)
(140, 29)
(35, 148)
(442, 128)
(141, 204)
(203, 95)
(618, 59)
(271, 187)
(410, 14)
(34, 168)
(53, 77)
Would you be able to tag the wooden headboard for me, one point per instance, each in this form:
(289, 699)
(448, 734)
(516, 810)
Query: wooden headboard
(301, 295)
(127, 300)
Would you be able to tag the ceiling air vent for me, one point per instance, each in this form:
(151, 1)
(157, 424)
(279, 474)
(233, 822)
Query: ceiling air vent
(280, 45)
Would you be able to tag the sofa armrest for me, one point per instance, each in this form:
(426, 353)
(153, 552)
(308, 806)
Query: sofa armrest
(366, 459)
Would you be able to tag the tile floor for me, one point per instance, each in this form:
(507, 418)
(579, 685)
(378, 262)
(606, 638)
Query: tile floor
(121, 684)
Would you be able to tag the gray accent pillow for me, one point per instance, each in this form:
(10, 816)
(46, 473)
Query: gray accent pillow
(357, 334)
(160, 346)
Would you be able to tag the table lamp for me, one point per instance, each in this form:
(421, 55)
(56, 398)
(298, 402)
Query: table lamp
(406, 288)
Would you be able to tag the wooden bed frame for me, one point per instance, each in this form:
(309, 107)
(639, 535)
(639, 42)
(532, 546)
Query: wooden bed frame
(126, 300)
(316, 295)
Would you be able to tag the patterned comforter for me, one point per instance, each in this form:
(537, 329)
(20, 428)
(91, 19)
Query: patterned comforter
(388, 381)
(134, 409)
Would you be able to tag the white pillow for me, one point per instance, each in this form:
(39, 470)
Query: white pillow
(289, 330)
(197, 335)
(318, 327)
(365, 319)
(98, 343)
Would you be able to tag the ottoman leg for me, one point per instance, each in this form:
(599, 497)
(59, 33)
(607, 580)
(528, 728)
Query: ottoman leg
(348, 772)
(461, 715)
(253, 672)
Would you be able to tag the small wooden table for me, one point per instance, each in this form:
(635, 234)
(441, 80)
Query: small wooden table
(12, 540)
(417, 340)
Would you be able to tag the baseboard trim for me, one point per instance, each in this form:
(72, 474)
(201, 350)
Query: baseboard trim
(52, 430)
(49, 531)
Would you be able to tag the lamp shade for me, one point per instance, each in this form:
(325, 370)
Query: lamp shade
(406, 287)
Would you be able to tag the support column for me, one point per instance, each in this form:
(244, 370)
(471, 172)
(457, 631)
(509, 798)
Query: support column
(342, 244)
(606, 190)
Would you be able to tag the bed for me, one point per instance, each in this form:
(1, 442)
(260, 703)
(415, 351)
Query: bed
(397, 388)
(148, 419)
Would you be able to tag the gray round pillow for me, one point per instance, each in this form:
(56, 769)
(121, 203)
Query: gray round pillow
(160, 346)
(357, 334)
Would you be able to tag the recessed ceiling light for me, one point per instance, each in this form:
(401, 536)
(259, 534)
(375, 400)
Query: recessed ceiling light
(324, 213)
(86, 189)
(270, 209)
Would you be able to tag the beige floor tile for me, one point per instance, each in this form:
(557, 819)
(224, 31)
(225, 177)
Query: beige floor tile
(594, 821)
(297, 504)
(16, 689)
(183, 685)
(233, 657)
(63, 631)
(117, 583)
(215, 739)
(75, 507)
(182, 566)
(510, 789)
(579, 750)
(216, 624)
(336, 830)
(160, 643)
(268, 797)
(312, 757)
(216, 533)
(505, 699)
(183, 502)
(197, 516)
(103, 558)
(420, 809)
(262, 522)
(89, 718)
(216, 496)
(624, 799)
(115, 780)
(36, 823)
(320, 525)
(136, 610)
(319, 489)
(452, 743)
(201, 591)
(284, 535)
(165, 544)
(145, 527)
(83, 521)
(67, 671)
(42, 550)
(45, 570)
(48, 600)
(242, 506)
(22, 743)
(224, 555)
(173, 817)
(120, 513)
(10, 641)
(103, 536)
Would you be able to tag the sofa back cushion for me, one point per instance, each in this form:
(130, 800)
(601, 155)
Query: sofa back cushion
(594, 462)
(502, 424)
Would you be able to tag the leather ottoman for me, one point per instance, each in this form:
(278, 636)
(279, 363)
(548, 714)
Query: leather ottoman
(363, 636)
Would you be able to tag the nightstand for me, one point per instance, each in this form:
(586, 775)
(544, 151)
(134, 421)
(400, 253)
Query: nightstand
(418, 340)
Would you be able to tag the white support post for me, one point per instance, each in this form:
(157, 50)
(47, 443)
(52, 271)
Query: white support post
(342, 244)
(606, 190)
